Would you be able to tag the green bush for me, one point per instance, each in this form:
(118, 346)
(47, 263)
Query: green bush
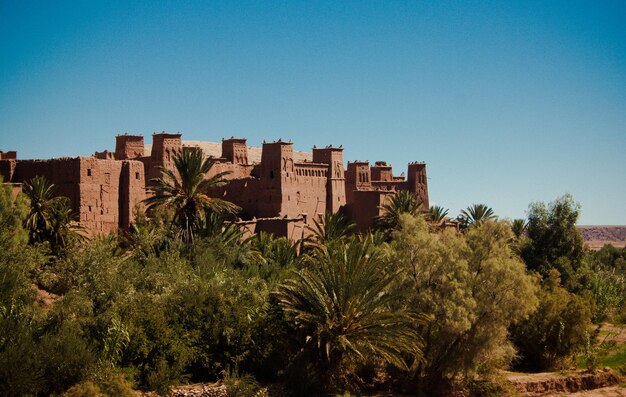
(558, 330)
(473, 288)
(84, 389)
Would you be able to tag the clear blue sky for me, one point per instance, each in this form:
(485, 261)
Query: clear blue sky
(508, 102)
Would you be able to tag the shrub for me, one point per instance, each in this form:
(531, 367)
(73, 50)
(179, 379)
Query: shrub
(472, 286)
(84, 389)
(559, 328)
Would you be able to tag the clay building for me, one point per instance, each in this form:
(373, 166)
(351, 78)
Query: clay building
(279, 190)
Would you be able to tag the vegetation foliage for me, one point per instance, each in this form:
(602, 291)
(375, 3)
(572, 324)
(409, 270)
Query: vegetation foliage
(184, 297)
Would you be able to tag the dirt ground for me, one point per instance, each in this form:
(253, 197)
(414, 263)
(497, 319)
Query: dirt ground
(613, 391)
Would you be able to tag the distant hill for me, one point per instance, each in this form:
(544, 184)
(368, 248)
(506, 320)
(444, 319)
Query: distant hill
(597, 236)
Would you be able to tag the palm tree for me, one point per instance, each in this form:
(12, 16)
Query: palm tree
(334, 227)
(437, 214)
(276, 252)
(214, 226)
(475, 214)
(401, 202)
(50, 218)
(518, 227)
(63, 228)
(185, 191)
(41, 194)
(342, 305)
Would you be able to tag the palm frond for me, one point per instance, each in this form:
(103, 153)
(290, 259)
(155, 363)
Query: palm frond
(342, 303)
(185, 190)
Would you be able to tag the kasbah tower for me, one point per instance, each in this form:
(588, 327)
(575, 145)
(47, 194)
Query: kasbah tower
(280, 191)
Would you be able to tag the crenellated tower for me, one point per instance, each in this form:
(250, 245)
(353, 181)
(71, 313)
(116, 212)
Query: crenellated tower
(336, 181)
(165, 146)
(418, 183)
(235, 150)
(128, 147)
(357, 178)
(277, 173)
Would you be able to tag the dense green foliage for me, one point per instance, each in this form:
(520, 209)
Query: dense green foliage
(472, 286)
(553, 240)
(607, 282)
(182, 297)
(558, 330)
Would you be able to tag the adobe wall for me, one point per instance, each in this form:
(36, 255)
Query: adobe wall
(110, 190)
(99, 198)
(242, 192)
(10, 155)
(103, 193)
(293, 229)
(305, 191)
(7, 167)
(63, 172)
(235, 171)
(285, 194)
(366, 206)
(381, 172)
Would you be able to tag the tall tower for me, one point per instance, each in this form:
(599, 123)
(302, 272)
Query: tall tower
(128, 147)
(165, 147)
(277, 173)
(418, 183)
(235, 150)
(336, 181)
(357, 178)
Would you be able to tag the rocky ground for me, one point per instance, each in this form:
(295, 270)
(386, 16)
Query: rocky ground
(575, 383)
(600, 383)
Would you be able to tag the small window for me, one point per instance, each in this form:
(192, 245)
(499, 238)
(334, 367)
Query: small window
(136, 175)
(88, 171)
(89, 208)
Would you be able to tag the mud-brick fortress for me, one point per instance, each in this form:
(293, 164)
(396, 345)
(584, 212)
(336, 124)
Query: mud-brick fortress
(280, 190)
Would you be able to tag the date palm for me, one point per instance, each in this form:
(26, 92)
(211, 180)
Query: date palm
(50, 217)
(334, 227)
(401, 202)
(63, 228)
(342, 305)
(518, 227)
(475, 214)
(40, 191)
(437, 214)
(185, 191)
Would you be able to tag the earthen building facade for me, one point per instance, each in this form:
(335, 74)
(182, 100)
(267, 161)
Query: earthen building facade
(282, 193)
